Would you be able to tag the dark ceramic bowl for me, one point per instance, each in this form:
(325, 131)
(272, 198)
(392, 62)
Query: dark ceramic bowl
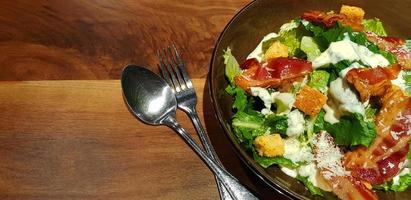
(244, 32)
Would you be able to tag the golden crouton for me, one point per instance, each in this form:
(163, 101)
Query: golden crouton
(353, 17)
(310, 101)
(277, 49)
(269, 145)
(352, 12)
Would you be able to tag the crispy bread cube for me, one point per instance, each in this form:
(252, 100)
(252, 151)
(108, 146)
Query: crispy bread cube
(352, 12)
(277, 49)
(269, 145)
(310, 101)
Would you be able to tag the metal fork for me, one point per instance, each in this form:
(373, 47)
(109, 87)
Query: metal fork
(174, 72)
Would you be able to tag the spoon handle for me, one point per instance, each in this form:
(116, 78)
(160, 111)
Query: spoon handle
(192, 113)
(235, 188)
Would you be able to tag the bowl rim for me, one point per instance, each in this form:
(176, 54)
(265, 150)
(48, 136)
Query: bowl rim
(268, 180)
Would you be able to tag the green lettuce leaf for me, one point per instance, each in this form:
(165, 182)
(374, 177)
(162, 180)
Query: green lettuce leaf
(310, 47)
(375, 26)
(324, 37)
(361, 39)
(232, 68)
(292, 40)
(408, 45)
(268, 161)
(352, 130)
(277, 123)
(406, 75)
(313, 190)
(291, 37)
(240, 99)
(319, 123)
(403, 183)
(319, 80)
(247, 126)
(370, 113)
(334, 70)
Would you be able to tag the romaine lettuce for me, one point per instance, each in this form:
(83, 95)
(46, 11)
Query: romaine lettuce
(313, 190)
(319, 123)
(247, 126)
(408, 45)
(319, 80)
(240, 99)
(277, 123)
(268, 161)
(324, 37)
(406, 75)
(404, 182)
(290, 36)
(310, 47)
(375, 26)
(352, 130)
(232, 68)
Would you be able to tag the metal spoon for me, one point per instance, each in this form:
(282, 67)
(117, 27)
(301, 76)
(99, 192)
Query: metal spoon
(150, 98)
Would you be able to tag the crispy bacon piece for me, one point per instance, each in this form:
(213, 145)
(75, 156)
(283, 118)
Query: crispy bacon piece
(271, 73)
(326, 19)
(350, 188)
(372, 82)
(330, 19)
(334, 176)
(381, 161)
(394, 46)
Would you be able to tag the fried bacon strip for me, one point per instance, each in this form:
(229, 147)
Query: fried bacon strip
(382, 160)
(333, 174)
(348, 16)
(372, 82)
(393, 45)
(318, 17)
(271, 73)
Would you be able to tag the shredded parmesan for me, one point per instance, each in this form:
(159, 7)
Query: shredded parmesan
(328, 156)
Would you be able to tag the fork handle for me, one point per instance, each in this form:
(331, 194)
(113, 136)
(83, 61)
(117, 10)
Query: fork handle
(205, 140)
(236, 190)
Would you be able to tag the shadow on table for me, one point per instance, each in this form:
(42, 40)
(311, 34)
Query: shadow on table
(227, 155)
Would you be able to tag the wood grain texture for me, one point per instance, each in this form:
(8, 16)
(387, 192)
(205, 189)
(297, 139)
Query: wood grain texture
(77, 140)
(82, 39)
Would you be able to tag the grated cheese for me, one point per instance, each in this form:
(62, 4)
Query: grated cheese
(328, 156)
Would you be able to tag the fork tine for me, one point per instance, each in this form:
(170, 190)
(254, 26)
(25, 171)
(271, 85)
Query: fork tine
(182, 68)
(175, 68)
(165, 70)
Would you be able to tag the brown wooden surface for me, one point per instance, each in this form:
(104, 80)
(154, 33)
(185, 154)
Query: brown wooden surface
(76, 140)
(65, 132)
(83, 39)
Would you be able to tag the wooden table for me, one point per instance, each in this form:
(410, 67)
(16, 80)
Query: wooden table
(65, 132)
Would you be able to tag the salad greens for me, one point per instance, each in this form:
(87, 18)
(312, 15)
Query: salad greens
(310, 47)
(404, 182)
(325, 37)
(232, 68)
(314, 190)
(375, 26)
(308, 41)
(277, 123)
(240, 101)
(268, 161)
(407, 78)
(319, 80)
(363, 132)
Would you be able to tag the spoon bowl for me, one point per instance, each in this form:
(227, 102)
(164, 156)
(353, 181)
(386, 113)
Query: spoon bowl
(151, 99)
(153, 102)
